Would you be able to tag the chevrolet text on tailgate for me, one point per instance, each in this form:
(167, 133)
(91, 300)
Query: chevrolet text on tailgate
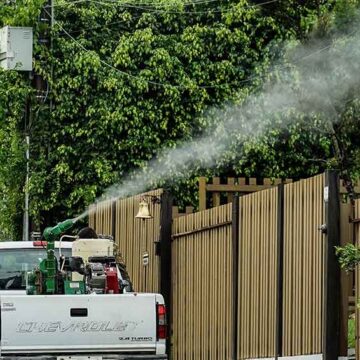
(79, 307)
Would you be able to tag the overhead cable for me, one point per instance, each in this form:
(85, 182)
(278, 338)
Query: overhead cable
(161, 11)
(164, 85)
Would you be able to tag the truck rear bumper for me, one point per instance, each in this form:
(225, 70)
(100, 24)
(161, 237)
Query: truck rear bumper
(85, 357)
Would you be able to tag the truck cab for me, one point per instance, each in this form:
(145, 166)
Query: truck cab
(19, 257)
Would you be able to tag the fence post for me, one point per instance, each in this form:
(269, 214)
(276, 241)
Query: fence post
(113, 219)
(235, 269)
(165, 255)
(332, 293)
(279, 271)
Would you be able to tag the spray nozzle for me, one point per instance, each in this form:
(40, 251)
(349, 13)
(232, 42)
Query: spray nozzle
(51, 233)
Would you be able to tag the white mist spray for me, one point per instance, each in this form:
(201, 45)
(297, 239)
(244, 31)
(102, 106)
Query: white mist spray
(317, 79)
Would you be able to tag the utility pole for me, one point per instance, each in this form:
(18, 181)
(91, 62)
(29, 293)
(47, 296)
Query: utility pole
(26, 208)
(42, 88)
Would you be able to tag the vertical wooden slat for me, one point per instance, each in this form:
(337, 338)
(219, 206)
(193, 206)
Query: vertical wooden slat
(262, 269)
(254, 272)
(247, 271)
(241, 181)
(197, 292)
(275, 210)
(279, 269)
(202, 193)
(318, 244)
(252, 181)
(175, 211)
(216, 195)
(230, 195)
(306, 264)
(311, 263)
(189, 209)
(298, 273)
(235, 273)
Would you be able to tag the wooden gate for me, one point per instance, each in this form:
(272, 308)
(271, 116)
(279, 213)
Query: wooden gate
(303, 276)
(257, 276)
(202, 309)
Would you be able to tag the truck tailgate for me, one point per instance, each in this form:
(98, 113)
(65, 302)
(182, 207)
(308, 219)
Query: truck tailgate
(81, 323)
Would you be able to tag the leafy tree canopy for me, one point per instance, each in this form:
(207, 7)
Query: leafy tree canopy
(130, 78)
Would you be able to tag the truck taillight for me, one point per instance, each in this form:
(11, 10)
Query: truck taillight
(161, 321)
(40, 243)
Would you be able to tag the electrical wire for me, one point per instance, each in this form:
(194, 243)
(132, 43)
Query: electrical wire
(247, 80)
(154, 10)
(209, 11)
(128, 74)
(156, 4)
(103, 25)
(140, 78)
(151, 11)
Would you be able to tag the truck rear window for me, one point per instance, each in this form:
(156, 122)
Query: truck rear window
(15, 263)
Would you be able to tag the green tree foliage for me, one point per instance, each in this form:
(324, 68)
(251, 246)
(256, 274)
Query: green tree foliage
(349, 256)
(132, 78)
(13, 94)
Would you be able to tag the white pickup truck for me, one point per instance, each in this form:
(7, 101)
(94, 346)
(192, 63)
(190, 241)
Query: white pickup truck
(87, 326)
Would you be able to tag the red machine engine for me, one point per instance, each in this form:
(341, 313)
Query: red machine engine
(103, 275)
(111, 281)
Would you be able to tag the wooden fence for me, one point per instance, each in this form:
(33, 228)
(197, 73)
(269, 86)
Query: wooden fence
(213, 192)
(255, 278)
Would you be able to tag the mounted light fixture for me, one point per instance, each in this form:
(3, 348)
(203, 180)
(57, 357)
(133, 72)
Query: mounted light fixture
(144, 210)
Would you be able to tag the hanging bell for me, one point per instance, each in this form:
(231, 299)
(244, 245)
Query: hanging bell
(144, 212)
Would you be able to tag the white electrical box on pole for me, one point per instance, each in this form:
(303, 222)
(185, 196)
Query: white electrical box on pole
(16, 48)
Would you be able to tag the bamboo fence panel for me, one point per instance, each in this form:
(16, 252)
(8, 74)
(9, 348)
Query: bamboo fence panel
(134, 237)
(92, 215)
(257, 289)
(303, 267)
(101, 217)
(201, 285)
